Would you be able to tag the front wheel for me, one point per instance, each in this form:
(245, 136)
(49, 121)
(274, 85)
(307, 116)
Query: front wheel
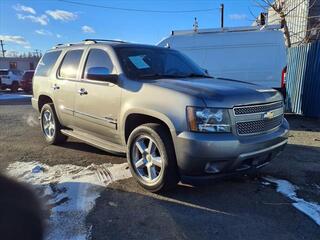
(50, 125)
(151, 157)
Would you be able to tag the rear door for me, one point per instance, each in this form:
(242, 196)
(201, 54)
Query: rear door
(97, 110)
(65, 85)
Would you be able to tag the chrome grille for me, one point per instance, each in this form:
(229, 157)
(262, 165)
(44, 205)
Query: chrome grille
(258, 126)
(257, 119)
(257, 108)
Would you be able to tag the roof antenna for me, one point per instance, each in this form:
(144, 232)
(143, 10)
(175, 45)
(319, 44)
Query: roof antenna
(195, 25)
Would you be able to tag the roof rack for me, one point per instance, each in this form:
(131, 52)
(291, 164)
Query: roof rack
(222, 30)
(102, 40)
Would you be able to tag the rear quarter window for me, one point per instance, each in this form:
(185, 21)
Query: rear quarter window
(46, 63)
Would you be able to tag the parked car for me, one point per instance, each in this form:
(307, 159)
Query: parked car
(10, 79)
(26, 82)
(251, 54)
(173, 121)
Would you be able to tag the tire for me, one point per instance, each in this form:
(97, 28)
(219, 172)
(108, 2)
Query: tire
(155, 168)
(14, 87)
(53, 133)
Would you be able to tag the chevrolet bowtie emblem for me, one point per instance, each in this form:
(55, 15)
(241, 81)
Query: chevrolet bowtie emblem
(268, 115)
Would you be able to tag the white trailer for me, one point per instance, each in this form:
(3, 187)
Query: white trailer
(251, 54)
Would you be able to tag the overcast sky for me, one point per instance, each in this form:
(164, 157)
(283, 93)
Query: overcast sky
(40, 24)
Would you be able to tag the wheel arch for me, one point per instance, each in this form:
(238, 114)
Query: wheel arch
(42, 100)
(134, 119)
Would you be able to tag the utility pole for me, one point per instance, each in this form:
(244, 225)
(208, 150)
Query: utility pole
(195, 25)
(37, 53)
(2, 49)
(222, 14)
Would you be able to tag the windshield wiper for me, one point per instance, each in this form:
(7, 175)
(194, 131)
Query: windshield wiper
(158, 76)
(195, 75)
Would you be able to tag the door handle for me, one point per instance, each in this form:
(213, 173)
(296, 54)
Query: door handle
(55, 87)
(82, 91)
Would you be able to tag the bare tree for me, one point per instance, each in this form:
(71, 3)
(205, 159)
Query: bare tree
(299, 23)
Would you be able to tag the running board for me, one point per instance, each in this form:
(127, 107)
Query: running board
(95, 141)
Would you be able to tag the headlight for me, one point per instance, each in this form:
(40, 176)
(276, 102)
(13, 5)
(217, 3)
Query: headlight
(208, 119)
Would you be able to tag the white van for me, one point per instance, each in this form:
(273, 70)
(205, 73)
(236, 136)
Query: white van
(251, 54)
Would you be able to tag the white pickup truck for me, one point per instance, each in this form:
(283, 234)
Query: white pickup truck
(10, 79)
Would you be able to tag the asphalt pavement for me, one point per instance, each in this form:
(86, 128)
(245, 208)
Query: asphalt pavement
(247, 207)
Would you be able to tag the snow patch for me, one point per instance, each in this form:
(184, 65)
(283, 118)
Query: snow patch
(287, 189)
(70, 192)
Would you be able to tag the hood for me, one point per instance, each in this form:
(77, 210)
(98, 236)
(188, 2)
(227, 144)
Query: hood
(219, 92)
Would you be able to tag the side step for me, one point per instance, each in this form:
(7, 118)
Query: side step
(95, 141)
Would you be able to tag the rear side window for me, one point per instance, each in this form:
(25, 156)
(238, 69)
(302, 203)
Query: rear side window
(47, 62)
(97, 58)
(70, 64)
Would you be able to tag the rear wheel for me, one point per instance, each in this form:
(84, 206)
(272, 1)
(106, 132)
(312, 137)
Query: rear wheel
(151, 157)
(51, 128)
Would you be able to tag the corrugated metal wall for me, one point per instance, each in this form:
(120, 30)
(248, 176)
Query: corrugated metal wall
(303, 80)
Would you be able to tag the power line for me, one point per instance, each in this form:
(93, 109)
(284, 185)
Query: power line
(137, 10)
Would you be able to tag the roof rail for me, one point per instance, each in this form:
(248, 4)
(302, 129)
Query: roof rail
(66, 45)
(86, 41)
(102, 40)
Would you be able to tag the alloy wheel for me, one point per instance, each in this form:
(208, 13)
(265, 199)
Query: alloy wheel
(146, 159)
(48, 124)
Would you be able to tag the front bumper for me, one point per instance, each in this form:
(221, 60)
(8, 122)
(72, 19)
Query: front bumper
(34, 103)
(227, 153)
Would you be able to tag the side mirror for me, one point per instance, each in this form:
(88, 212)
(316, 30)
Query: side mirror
(101, 74)
(205, 71)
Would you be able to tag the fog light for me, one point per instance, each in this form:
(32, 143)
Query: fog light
(214, 167)
(210, 168)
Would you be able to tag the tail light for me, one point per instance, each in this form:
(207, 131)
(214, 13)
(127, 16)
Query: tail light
(283, 77)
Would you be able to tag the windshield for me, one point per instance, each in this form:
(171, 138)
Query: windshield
(155, 63)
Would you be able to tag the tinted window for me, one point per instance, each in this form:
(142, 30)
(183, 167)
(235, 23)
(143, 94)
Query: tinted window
(46, 63)
(27, 75)
(70, 64)
(151, 62)
(4, 72)
(98, 58)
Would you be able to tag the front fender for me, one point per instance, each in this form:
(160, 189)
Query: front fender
(149, 112)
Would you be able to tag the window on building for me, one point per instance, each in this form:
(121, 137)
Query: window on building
(13, 65)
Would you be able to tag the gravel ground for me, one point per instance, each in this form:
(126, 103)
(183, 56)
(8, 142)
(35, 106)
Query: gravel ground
(238, 208)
